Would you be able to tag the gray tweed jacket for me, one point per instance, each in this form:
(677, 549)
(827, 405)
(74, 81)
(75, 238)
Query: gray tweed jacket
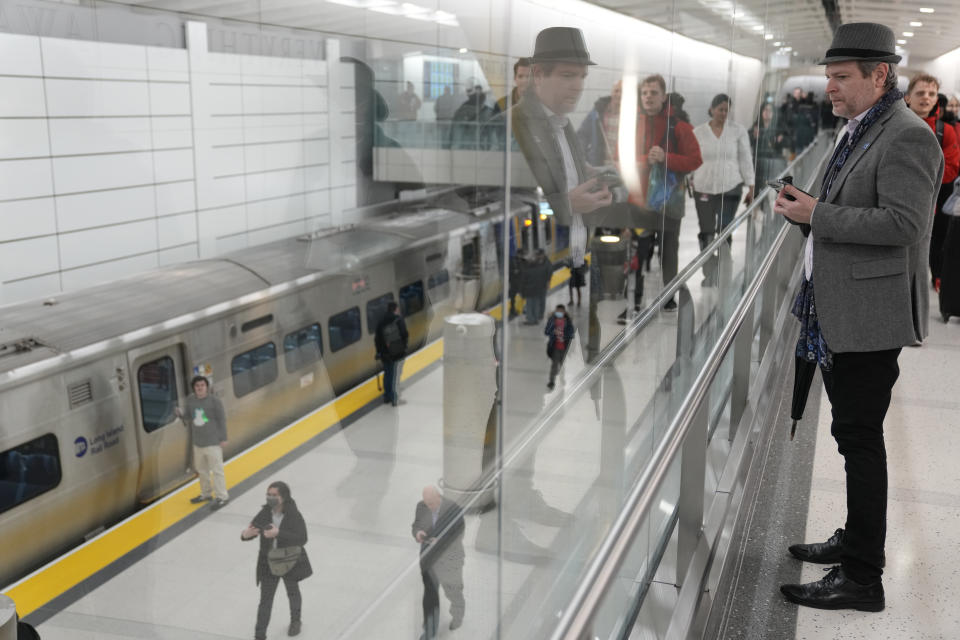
(872, 234)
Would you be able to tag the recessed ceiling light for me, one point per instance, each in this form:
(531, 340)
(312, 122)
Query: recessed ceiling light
(777, 44)
(901, 42)
(926, 10)
(908, 34)
(758, 27)
(916, 23)
(788, 48)
(463, 50)
(769, 36)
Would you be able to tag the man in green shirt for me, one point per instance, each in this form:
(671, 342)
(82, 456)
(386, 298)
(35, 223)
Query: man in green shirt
(205, 418)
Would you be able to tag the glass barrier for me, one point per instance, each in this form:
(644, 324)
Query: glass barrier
(393, 239)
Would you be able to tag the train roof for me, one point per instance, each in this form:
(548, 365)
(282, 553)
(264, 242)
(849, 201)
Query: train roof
(36, 330)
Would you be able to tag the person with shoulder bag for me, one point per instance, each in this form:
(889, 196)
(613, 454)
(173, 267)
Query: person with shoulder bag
(283, 534)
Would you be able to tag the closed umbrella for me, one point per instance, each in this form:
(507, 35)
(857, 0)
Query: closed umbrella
(802, 379)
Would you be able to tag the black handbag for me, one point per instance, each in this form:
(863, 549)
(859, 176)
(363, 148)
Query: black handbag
(282, 559)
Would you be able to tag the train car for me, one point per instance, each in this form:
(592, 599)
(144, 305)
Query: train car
(89, 380)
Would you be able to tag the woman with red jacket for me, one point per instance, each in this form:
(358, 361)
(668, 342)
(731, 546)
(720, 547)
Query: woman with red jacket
(921, 97)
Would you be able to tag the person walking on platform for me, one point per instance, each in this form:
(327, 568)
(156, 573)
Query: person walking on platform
(205, 418)
(391, 343)
(283, 534)
(559, 332)
(438, 527)
(864, 261)
(718, 182)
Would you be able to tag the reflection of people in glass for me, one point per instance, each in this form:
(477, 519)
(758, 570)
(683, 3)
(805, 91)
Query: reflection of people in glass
(665, 144)
(598, 132)
(469, 129)
(408, 104)
(521, 80)
(438, 527)
(559, 332)
(548, 140)
(718, 182)
(768, 137)
(446, 105)
(205, 418)
(282, 532)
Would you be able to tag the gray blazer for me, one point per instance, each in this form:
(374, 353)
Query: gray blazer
(535, 137)
(871, 237)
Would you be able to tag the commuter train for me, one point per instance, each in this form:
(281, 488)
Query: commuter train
(89, 380)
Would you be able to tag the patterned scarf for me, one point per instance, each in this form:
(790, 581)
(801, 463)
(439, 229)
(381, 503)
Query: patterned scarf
(811, 346)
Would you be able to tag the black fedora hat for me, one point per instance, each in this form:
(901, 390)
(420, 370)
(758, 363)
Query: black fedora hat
(561, 44)
(866, 41)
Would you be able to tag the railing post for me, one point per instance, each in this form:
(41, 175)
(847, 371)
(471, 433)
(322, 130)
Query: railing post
(693, 470)
(740, 387)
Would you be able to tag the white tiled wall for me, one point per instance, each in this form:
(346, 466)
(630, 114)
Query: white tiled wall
(116, 158)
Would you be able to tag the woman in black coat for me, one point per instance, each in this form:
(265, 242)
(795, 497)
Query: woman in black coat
(279, 525)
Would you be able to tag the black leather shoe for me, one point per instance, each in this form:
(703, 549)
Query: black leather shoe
(294, 629)
(836, 591)
(820, 552)
(456, 623)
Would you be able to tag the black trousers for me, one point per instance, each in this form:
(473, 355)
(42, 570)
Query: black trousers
(859, 388)
(431, 603)
(939, 231)
(268, 588)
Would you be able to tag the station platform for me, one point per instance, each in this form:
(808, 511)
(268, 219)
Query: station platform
(357, 467)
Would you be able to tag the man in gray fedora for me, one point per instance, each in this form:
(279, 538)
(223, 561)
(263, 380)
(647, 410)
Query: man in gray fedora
(867, 233)
(548, 140)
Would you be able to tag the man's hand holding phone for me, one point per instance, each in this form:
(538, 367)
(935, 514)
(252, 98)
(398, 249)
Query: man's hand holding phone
(589, 196)
(792, 203)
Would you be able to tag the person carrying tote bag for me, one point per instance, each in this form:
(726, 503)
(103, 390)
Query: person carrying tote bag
(283, 534)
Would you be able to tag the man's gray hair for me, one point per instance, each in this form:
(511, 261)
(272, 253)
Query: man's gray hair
(867, 67)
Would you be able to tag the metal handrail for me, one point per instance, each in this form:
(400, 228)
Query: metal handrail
(602, 570)
(616, 544)
(610, 352)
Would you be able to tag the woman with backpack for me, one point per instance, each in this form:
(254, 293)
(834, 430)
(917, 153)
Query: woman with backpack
(391, 343)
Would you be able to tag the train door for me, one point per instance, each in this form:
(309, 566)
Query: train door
(468, 274)
(164, 442)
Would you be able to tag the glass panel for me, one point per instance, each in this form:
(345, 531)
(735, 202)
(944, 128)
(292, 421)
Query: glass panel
(411, 298)
(302, 347)
(344, 328)
(29, 470)
(157, 385)
(254, 369)
(376, 309)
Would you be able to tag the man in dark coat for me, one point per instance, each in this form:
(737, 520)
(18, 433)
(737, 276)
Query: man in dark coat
(390, 340)
(438, 527)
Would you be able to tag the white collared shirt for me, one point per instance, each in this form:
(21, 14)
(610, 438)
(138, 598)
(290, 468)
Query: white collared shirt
(727, 160)
(578, 231)
(808, 247)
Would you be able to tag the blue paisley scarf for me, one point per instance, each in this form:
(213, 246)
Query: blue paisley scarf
(811, 346)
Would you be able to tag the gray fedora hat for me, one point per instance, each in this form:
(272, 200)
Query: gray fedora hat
(561, 44)
(866, 41)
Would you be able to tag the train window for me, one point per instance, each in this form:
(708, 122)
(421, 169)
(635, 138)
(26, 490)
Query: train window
(302, 348)
(157, 383)
(254, 369)
(29, 470)
(411, 298)
(563, 237)
(376, 310)
(438, 285)
(344, 328)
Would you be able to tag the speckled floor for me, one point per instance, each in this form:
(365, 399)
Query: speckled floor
(921, 578)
